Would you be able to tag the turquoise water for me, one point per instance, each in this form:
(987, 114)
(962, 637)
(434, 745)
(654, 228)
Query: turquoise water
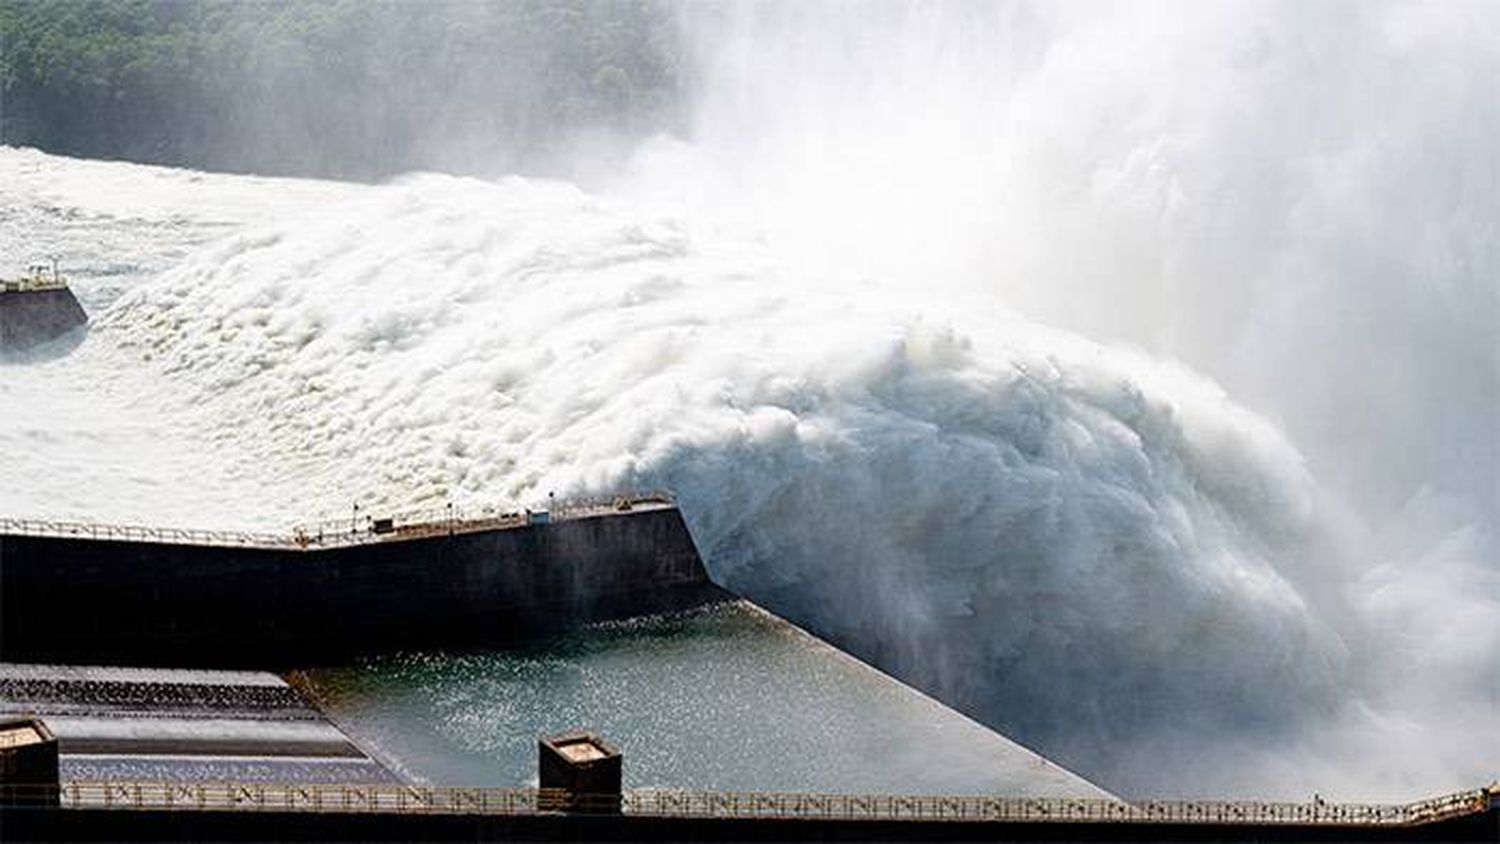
(726, 698)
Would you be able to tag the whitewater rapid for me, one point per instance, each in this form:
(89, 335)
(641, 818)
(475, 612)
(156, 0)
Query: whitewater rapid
(1002, 512)
(961, 497)
(1094, 550)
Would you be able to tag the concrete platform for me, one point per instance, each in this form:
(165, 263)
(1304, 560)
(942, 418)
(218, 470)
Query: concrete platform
(172, 724)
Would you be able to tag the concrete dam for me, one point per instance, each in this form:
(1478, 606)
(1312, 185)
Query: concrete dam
(146, 596)
(721, 709)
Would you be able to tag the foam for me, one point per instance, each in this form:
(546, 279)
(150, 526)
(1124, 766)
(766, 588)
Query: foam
(1026, 522)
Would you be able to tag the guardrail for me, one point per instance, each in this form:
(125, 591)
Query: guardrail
(405, 799)
(583, 507)
(138, 533)
(363, 527)
(32, 285)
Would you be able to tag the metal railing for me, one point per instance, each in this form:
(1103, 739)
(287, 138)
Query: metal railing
(366, 527)
(38, 277)
(32, 284)
(583, 507)
(363, 527)
(139, 533)
(407, 799)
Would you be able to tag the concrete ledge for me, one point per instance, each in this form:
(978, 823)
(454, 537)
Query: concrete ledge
(115, 601)
(131, 824)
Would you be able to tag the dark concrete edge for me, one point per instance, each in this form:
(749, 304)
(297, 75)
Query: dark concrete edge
(271, 748)
(531, 627)
(35, 824)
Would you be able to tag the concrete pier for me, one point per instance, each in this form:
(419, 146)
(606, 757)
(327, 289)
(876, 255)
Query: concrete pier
(139, 597)
(31, 317)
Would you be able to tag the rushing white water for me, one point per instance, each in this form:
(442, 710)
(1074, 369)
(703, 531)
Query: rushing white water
(1297, 200)
(86, 435)
(975, 501)
(799, 323)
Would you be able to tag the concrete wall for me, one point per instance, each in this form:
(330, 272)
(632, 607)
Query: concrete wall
(154, 603)
(274, 825)
(34, 317)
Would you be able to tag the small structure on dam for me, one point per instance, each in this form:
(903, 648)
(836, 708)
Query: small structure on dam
(584, 768)
(28, 762)
(36, 309)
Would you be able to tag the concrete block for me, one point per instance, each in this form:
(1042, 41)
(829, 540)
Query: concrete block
(28, 762)
(583, 768)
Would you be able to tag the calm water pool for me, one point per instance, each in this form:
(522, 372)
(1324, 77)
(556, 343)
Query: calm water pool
(725, 698)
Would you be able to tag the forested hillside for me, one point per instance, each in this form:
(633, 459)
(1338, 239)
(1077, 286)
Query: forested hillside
(347, 88)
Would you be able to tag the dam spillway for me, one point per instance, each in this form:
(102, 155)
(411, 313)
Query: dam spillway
(809, 717)
(658, 649)
(141, 596)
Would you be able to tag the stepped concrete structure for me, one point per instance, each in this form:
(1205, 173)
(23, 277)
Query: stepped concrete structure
(176, 725)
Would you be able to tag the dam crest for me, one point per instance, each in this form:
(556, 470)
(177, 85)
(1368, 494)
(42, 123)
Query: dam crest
(155, 596)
